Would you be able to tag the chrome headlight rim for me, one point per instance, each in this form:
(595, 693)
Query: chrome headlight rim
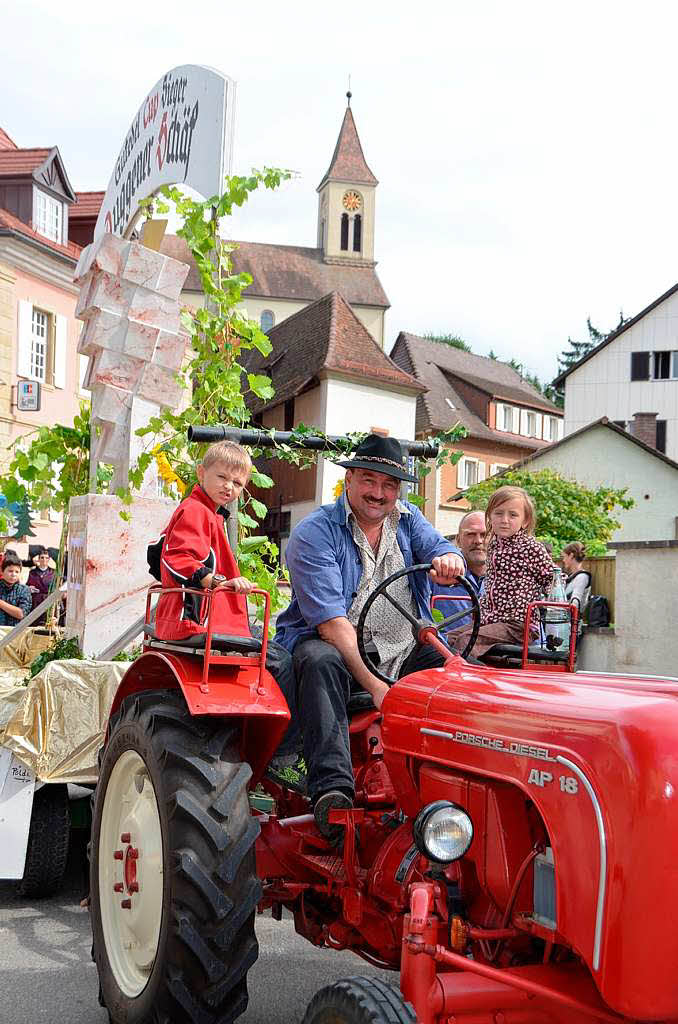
(424, 817)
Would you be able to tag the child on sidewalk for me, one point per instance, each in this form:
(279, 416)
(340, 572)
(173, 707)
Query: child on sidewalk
(195, 553)
(519, 570)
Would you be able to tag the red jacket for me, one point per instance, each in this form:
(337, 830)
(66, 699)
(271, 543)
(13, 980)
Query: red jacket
(194, 545)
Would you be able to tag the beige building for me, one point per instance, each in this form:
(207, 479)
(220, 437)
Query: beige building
(38, 331)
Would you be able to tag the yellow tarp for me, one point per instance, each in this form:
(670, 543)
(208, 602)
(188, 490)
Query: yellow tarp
(56, 723)
(20, 652)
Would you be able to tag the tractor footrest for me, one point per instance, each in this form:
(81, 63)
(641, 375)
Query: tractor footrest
(331, 865)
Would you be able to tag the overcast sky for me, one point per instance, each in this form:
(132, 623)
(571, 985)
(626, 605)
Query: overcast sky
(526, 152)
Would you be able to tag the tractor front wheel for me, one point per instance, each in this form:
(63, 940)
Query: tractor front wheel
(359, 1001)
(172, 873)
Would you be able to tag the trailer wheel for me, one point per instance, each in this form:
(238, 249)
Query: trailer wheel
(172, 872)
(48, 837)
(359, 1001)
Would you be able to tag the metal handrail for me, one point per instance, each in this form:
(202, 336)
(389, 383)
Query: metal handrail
(121, 642)
(29, 619)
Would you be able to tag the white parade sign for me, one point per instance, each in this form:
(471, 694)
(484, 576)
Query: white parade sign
(181, 134)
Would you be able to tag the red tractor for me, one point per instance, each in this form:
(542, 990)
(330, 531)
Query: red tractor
(512, 852)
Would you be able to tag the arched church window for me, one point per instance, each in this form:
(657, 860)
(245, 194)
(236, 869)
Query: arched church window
(267, 320)
(322, 234)
(344, 232)
(357, 233)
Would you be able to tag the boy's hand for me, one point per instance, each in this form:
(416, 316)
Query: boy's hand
(239, 584)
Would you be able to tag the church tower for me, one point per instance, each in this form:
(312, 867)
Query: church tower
(346, 201)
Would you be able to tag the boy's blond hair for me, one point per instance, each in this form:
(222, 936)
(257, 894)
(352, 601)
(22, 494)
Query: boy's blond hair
(508, 493)
(229, 452)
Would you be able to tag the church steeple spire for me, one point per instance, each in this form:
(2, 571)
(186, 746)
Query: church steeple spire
(348, 161)
(346, 200)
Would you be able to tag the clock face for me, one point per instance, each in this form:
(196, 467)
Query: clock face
(352, 201)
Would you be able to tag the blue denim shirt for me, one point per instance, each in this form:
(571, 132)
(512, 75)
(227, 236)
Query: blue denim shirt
(325, 567)
(452, 606)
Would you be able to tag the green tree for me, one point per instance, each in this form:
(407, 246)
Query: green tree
(576, 350)
(449, 339)
(23, 527)
(566, 510)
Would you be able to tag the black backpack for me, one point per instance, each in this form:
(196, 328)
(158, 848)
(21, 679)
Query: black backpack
(598, 610)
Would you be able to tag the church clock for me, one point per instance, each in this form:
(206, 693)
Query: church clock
(352, 201)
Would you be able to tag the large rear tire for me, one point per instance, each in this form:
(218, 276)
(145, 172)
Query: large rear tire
(172, 873)
(359, 1001)
(48, 839)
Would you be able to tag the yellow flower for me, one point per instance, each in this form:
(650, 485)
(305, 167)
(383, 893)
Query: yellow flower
(166, 472)
(338, 489)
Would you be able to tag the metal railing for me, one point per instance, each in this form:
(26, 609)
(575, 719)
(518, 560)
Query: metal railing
(28, 620)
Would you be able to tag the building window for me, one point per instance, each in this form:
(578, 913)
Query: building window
(661, 436)
(505, 417)
(288, 423)
(662, 365)
(531, 424)
(551, 428)
(497, 467)
(469, 472)
(267, 320)
(48, 216)
(357, 233)
(640, 366)
(40, 338)
(321, 238)
(344, 232)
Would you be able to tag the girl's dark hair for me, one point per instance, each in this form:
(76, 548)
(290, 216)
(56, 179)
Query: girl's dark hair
(10, 558)
(576, 549)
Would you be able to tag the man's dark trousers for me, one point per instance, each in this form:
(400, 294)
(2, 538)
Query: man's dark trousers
(324, 685)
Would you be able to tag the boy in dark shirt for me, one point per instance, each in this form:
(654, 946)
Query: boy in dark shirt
(15, 598)
(39, 581)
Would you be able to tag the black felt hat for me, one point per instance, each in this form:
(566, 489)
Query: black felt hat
(381, 455)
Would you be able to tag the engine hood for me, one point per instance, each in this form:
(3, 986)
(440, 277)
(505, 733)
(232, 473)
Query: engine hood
(598, 756)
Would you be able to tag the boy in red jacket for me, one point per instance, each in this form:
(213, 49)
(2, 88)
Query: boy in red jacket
(195, 554)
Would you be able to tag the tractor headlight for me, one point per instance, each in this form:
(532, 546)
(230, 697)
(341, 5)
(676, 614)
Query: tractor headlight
(442, 831)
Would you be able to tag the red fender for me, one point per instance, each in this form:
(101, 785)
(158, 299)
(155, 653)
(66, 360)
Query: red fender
(235, 690)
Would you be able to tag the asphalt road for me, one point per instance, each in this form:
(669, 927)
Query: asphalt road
(48, 977)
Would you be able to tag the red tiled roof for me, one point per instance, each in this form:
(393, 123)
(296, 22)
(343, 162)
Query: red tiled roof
(11, 224)
(289, 272)
(326, 335)
(5, 141)
(87, 204)
(21, 161)
(441, 366)
(348, 162)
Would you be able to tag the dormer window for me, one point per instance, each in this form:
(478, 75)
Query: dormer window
(49, 216)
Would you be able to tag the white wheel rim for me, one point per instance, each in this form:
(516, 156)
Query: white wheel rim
(131, 873)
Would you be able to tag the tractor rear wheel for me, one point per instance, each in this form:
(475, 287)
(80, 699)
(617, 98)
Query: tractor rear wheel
(359, 1001)
(48, 839)
(172, 873)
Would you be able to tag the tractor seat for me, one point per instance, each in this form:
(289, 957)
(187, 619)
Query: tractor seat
(359, 701)
(220, 642)
(511, 653)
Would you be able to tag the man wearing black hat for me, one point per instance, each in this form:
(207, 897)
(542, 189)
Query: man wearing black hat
(337, 557)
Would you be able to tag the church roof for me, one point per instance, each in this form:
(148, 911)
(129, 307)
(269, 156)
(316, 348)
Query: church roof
(87, 204)
(326, 335)
(348, 162)
(5, 141)
(289, 272)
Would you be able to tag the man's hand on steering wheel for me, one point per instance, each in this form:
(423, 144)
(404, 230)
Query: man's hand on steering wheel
(446, 569)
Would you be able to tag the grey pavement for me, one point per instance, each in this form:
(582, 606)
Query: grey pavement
(48, 977)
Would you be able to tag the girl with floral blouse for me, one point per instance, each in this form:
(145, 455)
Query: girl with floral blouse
(519, 570)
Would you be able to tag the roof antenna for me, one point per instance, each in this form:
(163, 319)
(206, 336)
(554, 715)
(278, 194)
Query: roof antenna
(349, 93)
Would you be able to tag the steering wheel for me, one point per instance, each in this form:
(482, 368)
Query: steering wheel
(417, 624)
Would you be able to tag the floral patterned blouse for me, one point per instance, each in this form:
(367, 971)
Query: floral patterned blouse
(519, 570)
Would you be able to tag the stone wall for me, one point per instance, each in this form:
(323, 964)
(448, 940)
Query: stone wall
(644, 640)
